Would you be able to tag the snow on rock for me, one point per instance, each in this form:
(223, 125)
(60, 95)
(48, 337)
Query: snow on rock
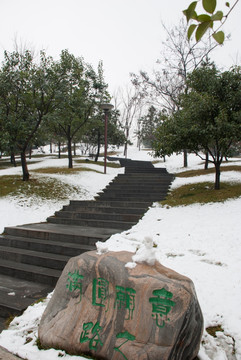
(146, 252)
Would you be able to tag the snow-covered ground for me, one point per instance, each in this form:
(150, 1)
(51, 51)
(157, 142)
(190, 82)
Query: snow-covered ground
(199, 241)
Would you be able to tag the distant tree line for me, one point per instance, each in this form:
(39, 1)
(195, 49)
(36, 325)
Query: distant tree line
(52, 101)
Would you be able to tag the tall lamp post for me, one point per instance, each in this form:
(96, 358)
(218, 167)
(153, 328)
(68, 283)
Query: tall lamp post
(106, 108)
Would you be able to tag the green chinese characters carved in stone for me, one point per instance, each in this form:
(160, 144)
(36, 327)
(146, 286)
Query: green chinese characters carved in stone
(125, 298)
(100, 293)
(74, 282)
(161, 305)
(124, 335)
(91, 333)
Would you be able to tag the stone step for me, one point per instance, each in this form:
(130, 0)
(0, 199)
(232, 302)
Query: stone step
(134, 190)
(31, 257)
(144, 176)
(97, 216)
(152, 200)
(118, 226)
(138, 185)
(136, 163)
(123, 204)
(104, 209)
(139, 196)
(129, 170)
(17, 294)
(61, 233)
(9, 305)
(147, 174)
(47, 246)
(141, 186)
(28, 272)
(141, 181)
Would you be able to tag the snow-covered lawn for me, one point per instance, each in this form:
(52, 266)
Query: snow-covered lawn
(199, 241)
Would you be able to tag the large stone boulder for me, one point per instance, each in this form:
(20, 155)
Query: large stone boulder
(106, 310)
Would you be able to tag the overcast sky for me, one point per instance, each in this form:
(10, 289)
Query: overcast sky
(125, 34)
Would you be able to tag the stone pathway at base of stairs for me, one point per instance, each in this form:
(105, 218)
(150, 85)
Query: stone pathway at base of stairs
(22, 294)
(6, 355)
(2, 324)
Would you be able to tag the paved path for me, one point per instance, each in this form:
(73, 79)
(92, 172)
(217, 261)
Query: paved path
(6, 355)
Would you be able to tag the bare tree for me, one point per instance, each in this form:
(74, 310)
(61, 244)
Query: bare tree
(178, 58)
(129, 102)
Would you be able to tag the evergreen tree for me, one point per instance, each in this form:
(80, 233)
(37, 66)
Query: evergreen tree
(27, 92)
(209, 119)
(148, 125)
(81, 91)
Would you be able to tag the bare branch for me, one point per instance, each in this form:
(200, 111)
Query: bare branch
(178, 58)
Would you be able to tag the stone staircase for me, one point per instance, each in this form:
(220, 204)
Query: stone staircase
(33, 256)
(144, 187)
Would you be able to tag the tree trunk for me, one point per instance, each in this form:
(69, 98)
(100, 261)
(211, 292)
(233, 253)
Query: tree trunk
(59, 149)
(70, 157)
(125, 149)
(126, 142)
(185, 157)
(24, 166)
(217, 175)
(50, 147)
(13, 160)
(138, 144)
(98, 147)
(206, 161)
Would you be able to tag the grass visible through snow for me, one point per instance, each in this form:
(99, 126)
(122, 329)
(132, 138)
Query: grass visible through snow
(42, 187)
(202, 193)
(191, 173)
(63, 171)
(45, 187)
(101, 163)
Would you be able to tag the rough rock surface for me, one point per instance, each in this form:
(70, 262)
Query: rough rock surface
(103, 309)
